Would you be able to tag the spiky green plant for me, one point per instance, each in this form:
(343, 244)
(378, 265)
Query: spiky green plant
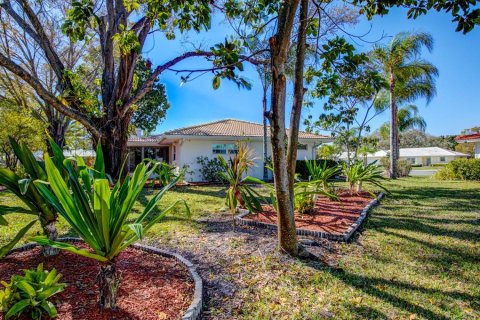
(321, 173)
(100, 215)
(358, 174)
(37, 207)
(239, 192)
(31, 293)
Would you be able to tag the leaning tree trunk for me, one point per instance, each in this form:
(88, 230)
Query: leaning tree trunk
(393, 130)
(108, 281)
(57, 128)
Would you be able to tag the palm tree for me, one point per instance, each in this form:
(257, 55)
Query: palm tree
(409, 78)
(407, 119)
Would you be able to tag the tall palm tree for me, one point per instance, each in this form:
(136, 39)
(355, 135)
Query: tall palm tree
(409, 78)
(407, 119)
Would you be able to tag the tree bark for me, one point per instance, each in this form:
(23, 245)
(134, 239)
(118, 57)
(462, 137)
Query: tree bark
(57, 128)
(50, 230)
(393, 129)
(108, 281)
(279, 45)
(265, 142)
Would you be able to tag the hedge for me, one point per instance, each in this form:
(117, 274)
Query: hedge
(460, 169)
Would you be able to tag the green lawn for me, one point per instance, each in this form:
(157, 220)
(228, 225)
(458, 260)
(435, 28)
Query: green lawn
(418, 257)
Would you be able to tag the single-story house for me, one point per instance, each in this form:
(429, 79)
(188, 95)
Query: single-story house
(475, 138)
(181, 147)
(419, 156)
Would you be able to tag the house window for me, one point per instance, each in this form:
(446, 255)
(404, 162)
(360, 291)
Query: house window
(411, 160)
(224, 148)
(302, 146)
(174, 153)
(442, 159)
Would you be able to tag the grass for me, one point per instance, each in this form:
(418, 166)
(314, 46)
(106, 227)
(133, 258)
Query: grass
(427, 168)
(418, 257)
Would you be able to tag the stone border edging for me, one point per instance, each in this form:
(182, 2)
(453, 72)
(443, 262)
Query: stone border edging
(318, 234)
(194, 310)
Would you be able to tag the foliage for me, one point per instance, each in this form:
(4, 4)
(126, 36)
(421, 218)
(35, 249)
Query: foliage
(403, 166)
(329, 151)
(211, 169)
(465, 12)
(23, 128)
(418, 139)
(31, 294)
(358, 174)
(152, 108)
(301, 168)
(239, 191)
(26, 191)
(96, 213)
(407, 119)
(165, 173)
(460, 169)
(321, 173)
(77, 137)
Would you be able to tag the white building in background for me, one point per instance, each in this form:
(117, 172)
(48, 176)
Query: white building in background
(181, 147)
(474, 138)
(419, 156)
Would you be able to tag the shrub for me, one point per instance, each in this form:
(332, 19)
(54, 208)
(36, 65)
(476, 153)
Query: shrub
(31, 293)
(211, 169)
(358, 173)
(460, 169)
(100, 215)
(320, 172)
(165, 173)
(403, 166)
(302, 168)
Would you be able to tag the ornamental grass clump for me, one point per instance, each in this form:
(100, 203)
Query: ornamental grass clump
(100, 215)
(358, 174)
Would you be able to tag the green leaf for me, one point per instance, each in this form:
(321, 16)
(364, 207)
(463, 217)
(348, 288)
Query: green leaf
(23, 185)
(26, 287)
(5, 249)
(68, 247)
(216, 82)
(50, 308)
(17, 308)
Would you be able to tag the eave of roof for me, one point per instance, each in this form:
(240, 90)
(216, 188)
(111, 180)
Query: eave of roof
(468, 137)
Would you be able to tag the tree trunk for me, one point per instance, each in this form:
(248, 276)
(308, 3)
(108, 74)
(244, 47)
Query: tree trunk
(393, 130)
(57, 128)
(265, 146)
(279, 45)
(108, 281)
(114, 146)
(50, 230)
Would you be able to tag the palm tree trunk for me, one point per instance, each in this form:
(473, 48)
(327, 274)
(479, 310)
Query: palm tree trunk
(50, 230)
(393, 130)
(108, 281)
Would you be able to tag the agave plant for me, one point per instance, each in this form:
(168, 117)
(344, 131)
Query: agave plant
(321, 172)
(239, 192)
(358, 173)
(27, 192)
(100, 215)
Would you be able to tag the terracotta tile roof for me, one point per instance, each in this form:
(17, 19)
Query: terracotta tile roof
(467, 137)
(232, 127)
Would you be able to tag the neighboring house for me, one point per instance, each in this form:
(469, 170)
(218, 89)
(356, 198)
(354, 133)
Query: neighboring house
(419, 156)
(474, 138)
(181, 147)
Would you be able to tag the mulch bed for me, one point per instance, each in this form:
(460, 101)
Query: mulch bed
(334, 217)
(152, 287)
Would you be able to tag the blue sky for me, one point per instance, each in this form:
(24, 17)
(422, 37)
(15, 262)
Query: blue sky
(456, 106)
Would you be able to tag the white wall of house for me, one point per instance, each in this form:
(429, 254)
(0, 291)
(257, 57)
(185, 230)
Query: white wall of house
(189, 149)
(477, 149)
(424, 161)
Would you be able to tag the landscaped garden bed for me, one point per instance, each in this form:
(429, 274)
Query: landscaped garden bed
(336, 220)
(155, 284)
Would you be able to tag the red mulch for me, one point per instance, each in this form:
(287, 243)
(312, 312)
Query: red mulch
(152, 287)
(328, 216)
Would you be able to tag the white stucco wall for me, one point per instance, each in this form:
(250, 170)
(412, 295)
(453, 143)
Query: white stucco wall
(477, 149)
(189, 149)
(421, 160)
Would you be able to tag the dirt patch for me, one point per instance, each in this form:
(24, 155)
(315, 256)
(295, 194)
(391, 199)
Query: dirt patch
(152, 287)
(330, 216)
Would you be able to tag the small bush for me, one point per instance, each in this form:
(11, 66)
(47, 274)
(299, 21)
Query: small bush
(403, 166)
(30, 294)
(302, 168)
(460, 169)
(211, 169)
